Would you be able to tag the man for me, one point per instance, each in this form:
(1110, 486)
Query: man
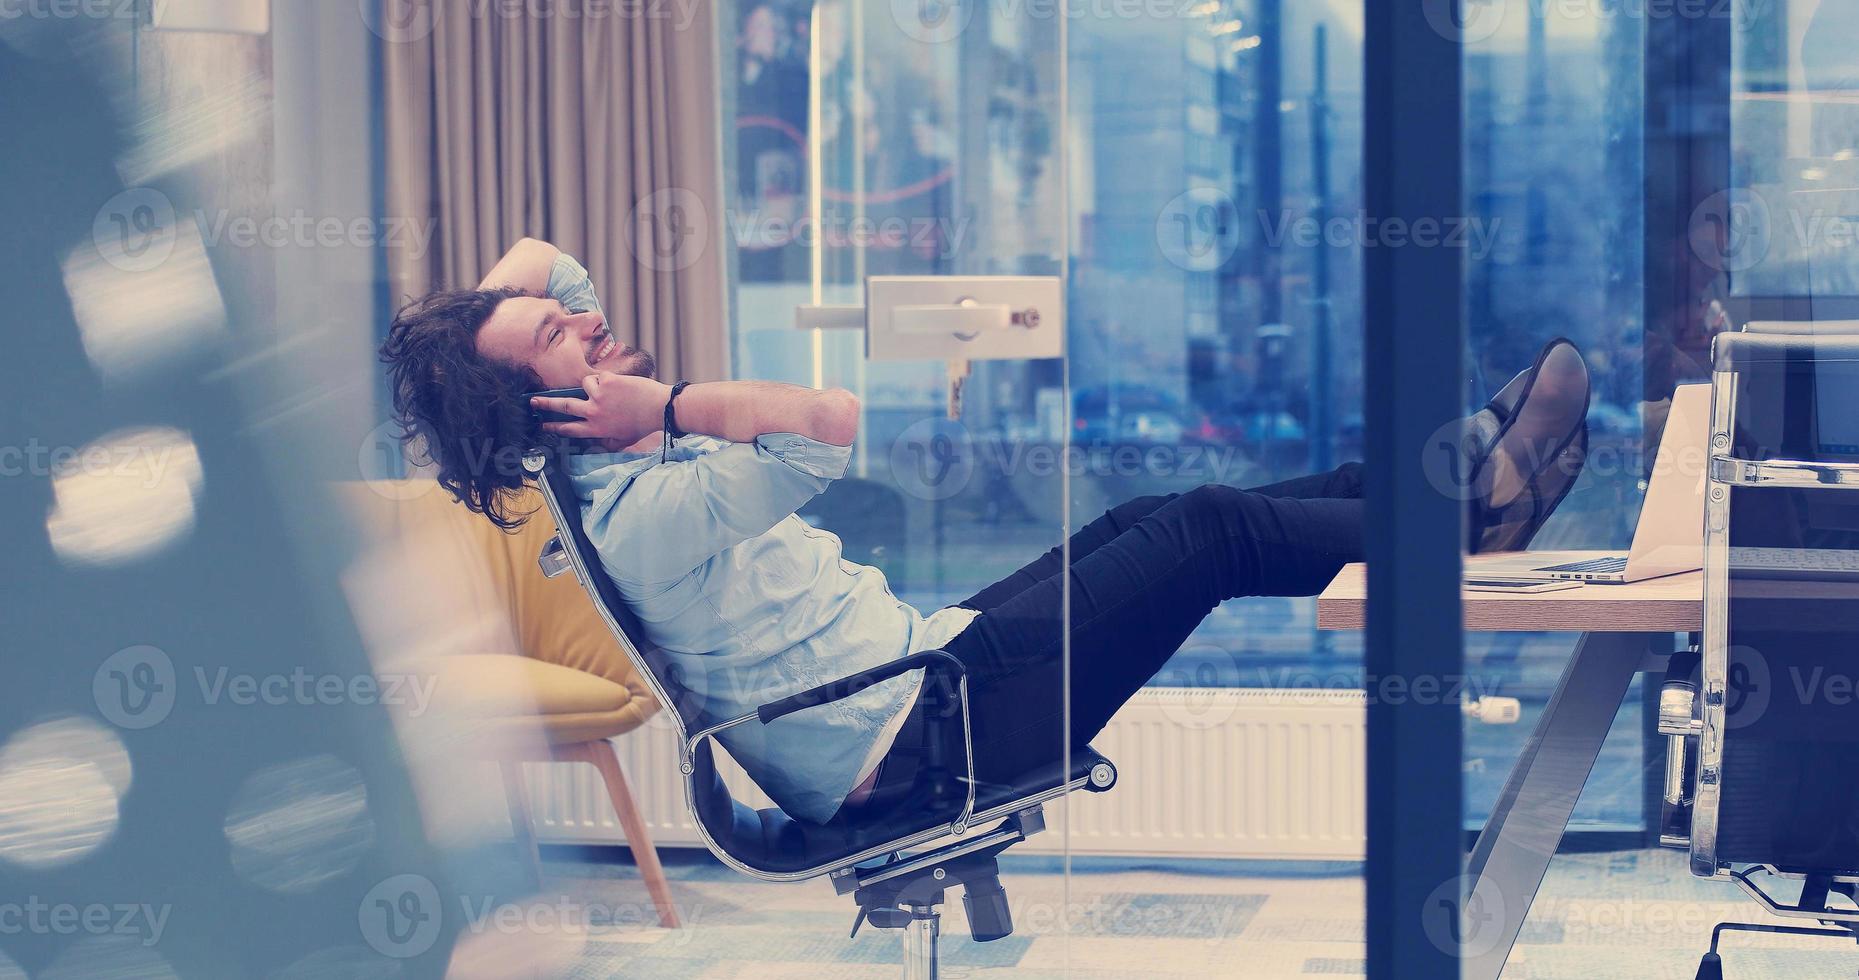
(702, 539)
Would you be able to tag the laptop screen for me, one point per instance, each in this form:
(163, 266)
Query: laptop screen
(1671, 526)
(1836, 411)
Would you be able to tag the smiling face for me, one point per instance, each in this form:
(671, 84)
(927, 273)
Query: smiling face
(559, 347)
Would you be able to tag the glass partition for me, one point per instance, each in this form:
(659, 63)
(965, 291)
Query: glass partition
(1554, 168)
(882, 140)
(1216, 285)
(1194, 172)
(862, 147)
(1216, 338)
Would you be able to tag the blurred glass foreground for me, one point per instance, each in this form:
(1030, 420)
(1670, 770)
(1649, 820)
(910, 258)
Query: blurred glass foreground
(227, 747)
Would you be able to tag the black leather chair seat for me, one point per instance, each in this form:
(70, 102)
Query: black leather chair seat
(772, 842)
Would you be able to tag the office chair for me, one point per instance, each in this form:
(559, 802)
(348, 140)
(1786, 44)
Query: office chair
(864, 855)
(1762, 765)
(1810, 327)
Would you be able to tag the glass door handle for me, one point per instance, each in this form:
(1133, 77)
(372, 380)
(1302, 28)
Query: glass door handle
(938, 318)
(966, 319)
(829, 317)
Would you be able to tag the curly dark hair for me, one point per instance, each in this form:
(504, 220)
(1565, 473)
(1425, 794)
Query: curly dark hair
(463, 411)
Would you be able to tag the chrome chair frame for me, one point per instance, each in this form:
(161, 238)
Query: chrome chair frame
(1694, 717)
(903, 890)
(1710, 723)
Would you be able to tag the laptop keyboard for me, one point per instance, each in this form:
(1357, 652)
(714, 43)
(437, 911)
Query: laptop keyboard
(1607, 565)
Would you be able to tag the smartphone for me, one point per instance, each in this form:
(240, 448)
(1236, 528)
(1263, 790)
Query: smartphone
(542, 415)
(1518, 587)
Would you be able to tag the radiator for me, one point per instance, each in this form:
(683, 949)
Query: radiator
(1253, 774)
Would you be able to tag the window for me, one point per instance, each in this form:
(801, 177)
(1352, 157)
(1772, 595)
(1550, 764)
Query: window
(1216, 310)
(1789, 225)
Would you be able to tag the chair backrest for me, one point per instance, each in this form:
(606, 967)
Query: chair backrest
(1810, 327)
(1778, 767)
(666, 678)
(548, 620)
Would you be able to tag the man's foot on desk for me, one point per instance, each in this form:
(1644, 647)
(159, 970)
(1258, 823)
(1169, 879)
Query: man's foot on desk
(1525, 450)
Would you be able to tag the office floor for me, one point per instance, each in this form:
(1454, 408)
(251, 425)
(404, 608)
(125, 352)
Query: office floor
(1629, 914)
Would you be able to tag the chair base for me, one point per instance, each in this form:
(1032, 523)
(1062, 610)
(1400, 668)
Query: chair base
(1711, 966)
(904, 892)
(1817, 890)
(920, 938)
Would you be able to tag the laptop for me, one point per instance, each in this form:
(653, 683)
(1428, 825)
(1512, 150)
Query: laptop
(1670, 536)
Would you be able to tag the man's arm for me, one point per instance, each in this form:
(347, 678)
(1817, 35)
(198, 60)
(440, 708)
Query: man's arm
(738, 411)
(526, 266)
(621, 410)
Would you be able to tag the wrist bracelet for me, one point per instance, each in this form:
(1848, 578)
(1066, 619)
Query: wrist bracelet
(671, 413)
(672, 431)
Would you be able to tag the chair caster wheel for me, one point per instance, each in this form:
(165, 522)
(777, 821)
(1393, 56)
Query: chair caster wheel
(1710, 967)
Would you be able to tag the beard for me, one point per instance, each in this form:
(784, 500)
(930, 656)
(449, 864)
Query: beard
(638, 363)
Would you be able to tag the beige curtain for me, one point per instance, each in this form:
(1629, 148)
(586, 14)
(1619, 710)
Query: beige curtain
(592, 125)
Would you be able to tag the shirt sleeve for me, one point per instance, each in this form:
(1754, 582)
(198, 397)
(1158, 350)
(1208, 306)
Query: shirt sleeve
(570, 284)
(657, 525)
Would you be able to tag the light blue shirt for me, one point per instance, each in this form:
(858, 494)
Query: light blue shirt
(753, 603)
(571, 286)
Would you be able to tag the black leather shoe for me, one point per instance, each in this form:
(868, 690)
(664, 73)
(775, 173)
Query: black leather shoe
(1530, 444)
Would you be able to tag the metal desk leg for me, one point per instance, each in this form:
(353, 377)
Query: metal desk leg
(1513, 851)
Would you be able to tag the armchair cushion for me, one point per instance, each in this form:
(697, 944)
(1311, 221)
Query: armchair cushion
(515, 700)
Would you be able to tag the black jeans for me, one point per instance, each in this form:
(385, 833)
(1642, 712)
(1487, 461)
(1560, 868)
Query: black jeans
(1143, 576)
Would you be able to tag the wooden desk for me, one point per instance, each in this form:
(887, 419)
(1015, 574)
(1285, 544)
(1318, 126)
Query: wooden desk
(1625, 629)
(1673, 604)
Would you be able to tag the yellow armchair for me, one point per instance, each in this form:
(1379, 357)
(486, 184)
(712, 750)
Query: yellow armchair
(564, 689)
